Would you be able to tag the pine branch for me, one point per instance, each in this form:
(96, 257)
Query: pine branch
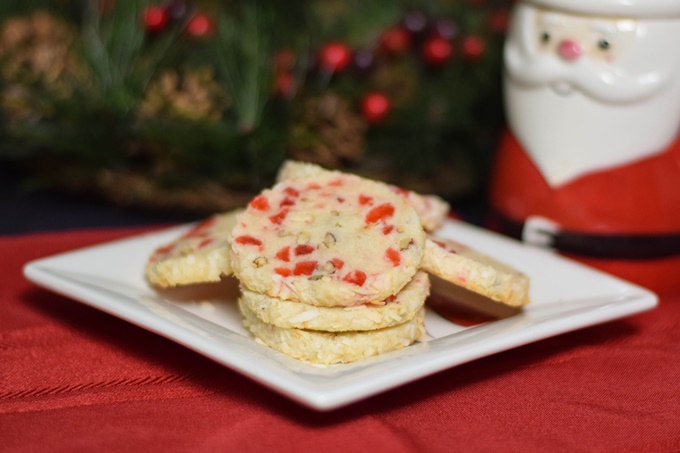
(242, 51)
(114, 47)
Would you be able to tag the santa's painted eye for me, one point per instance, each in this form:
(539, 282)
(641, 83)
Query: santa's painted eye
(604, 44)
(545, 37)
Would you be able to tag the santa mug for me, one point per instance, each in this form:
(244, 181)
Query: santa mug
(590, 164)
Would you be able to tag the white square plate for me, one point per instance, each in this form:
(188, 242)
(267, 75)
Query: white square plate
(565, 296)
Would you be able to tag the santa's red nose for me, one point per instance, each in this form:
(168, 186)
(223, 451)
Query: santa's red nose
(569, 50)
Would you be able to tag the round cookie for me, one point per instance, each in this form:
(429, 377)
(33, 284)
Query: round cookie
(334, 347)
(462, 266)
(331, 240)
(431, 208)
(396, 310)
(200, 255)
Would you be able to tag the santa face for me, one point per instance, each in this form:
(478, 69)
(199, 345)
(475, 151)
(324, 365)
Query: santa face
(586, 93)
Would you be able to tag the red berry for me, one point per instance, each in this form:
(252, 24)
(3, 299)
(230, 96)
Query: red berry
(284, 84)
(437, 50)
(154, 19)
(284, 61)
(375, 107)
(395, 40)
(200, 25)
(335, 56)
(473, 47)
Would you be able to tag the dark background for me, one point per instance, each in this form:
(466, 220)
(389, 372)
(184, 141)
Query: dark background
(24, 210)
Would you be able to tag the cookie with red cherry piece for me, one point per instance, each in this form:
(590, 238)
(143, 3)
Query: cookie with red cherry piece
(465, 267)
(319, 347)
(395, 310)
(200, 255)
(431, 208)
(331, 240)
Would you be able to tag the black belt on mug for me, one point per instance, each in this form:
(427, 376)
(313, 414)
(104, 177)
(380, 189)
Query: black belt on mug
(546, 233)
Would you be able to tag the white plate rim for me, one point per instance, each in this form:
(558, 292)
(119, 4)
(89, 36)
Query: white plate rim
(327, 388)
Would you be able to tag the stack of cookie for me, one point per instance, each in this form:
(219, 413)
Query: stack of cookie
(333, 268)
(327, 266)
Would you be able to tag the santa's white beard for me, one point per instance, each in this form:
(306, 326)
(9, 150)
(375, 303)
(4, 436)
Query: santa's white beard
(569, 136)
(574, 118)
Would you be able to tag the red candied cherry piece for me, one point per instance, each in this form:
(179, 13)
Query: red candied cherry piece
(399, 191)
(284, 254)
(387, 229)
(260, 202)
(393, 256)
(365, 199)
(165, 249)
(445, 247)
(279, 216)
(248, 240)
(205, 242)
(380, 212)
(287, 202)
(207, 223)
(304, 268)
(338, 263)
(303, 249)
(159, 254)
(356, 277)
(201, 229)
(292, 192)
(195, 234)
(198, 235)
(283, 271)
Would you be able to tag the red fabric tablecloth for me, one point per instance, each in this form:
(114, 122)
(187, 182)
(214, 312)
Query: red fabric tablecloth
(75, 379)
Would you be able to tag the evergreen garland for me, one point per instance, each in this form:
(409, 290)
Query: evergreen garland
(194, 105)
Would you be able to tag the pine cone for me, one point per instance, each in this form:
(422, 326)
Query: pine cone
(39, 48)
(328, 132)
(194, 95)
(37, 59)
(127, 188)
